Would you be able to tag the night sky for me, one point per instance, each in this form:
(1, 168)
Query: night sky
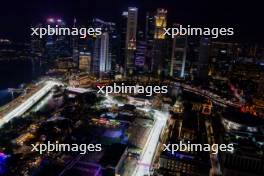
(247, 17)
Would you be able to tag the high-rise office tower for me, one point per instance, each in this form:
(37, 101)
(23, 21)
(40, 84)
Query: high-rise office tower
(160, 23)
(85, 60)
(121, 62)
(96, 56)
(203, 59)
(160, 49)
(140, 55)
(131, 33)
(149, 27)
(191, 64)
(105, 60)
(178, 56)
(149, 37)
(85, 45)
(75, 46)
(56, 45)
(221, 56)
(104, 52)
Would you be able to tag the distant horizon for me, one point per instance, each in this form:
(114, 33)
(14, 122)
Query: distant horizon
(16, 19)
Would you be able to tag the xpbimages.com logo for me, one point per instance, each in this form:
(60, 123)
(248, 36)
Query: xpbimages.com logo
(58, 147)
(65, 31)
(183, 147)
(137, 89)
(180, 30)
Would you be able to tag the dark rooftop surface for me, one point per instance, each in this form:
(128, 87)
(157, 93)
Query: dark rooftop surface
(112, 155)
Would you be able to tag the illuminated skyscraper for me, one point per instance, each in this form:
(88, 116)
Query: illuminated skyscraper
(75, 47)
(140, 54)
(131, 28)
(160, 49)
(123, 28)
(85, 61)
(104, 51)
(203, 59)
(105, 60)
(178, 56)
(149, 36)
(56, 45)
(131, 33)
(192, 58)
(150, 27)
(160, 23)
(84, 53)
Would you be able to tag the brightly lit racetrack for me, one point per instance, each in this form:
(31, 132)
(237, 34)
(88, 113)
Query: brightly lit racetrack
(144, 164)
(23, 107)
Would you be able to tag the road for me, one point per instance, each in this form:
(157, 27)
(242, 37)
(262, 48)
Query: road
(144, 164)
(215, 165)
(207, 94)
(27, 104)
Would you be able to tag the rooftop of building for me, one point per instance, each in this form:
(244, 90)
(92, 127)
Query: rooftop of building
(113, 155)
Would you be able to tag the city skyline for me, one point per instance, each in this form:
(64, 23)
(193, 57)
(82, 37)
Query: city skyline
(189, 12)
(131, 88)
